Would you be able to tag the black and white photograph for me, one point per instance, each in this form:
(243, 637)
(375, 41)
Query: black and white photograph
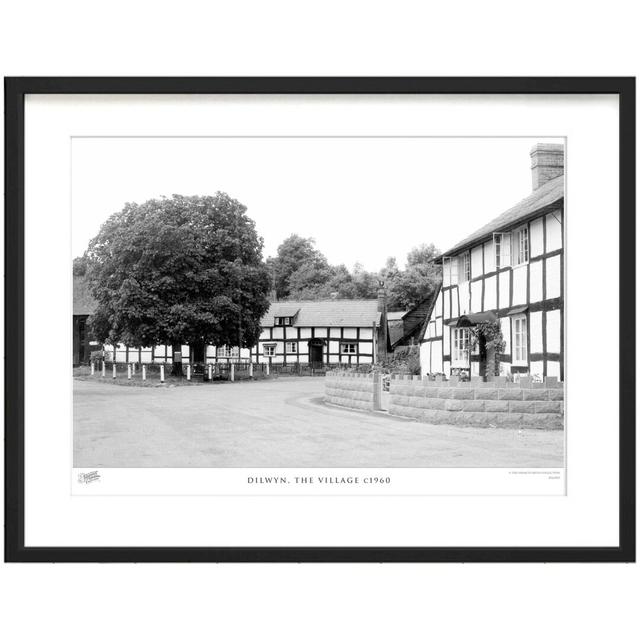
(318, 302)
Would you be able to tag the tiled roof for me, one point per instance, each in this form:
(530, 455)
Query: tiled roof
(326, 313)
(83, 302)
(546, 195)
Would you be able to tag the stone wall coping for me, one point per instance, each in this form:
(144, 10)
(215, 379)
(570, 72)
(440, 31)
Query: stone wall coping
(551, 383)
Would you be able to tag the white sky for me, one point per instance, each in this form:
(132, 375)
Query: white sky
(362, 199)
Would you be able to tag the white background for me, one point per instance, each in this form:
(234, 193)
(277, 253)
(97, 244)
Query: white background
(464, 38)
(587, 516)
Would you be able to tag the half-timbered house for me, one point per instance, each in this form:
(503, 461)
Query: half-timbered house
(323, 333)
(510, 271)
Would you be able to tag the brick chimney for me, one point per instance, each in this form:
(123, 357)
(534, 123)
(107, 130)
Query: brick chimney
(547, 162)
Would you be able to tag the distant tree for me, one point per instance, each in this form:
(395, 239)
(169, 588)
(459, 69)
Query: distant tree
(293, 254)
(79, 266)
(406, 289)
(422, 254)
(179, 270)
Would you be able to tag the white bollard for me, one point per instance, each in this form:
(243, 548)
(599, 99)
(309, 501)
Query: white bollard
(267, 368)
(93, 367)
(144, 371)
(188, 373)
(210, 371)
(232, 373)
(129, 372)
(161, 373)
(251, 369)
(104, 368)
(114, 370)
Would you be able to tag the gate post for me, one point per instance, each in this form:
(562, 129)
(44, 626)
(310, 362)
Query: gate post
(377, 391)
(114, 370)
(232, 372)
(144, 371)
(104, 368)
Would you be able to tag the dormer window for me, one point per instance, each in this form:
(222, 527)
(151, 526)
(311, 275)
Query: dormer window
(283, 321)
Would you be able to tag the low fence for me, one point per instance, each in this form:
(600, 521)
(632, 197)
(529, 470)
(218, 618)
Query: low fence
(494, 403)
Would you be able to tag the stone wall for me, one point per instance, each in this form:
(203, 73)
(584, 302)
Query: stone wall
(497, 403)
(352, 390)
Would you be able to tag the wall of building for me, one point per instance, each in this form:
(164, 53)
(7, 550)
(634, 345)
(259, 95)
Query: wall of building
(497, 403)
(538, 284)
(332, 338)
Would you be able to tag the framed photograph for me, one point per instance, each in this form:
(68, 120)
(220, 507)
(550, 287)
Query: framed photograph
(320, 319)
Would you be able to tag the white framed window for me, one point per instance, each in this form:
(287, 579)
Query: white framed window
(464, 268)
(348, 347)
(228, 352)
(291, 347)
(521, 246)
(502, 249)
(283, 321)
(460, 348)
(450, 271)
(269, 350)
(519, 332)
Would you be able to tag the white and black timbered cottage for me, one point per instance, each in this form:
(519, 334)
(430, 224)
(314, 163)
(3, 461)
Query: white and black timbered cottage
(510, 270)
(323, 333)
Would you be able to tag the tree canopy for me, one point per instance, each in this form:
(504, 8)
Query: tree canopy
(179, 270)
(302, 272)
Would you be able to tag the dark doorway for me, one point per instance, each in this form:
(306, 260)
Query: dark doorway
(198, 351)
(482, 349)
(315, 352)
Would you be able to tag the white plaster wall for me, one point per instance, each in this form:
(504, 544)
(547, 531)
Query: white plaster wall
(264, 335)
(455, 306)
(278, 332)
(366, 348)
(147, 355)
(489, 257)
(305, 333)
(446, 368)
(351, 334)
(334, 332)
(291, 333)
(366, 334)
(446, 341)
(553, 331)
(535, 281)
(436, 356)
(334, 346)
(536, 238)
(520, 285)
(490, 293)
(334, 359)
(535, 331)
(320, 333)
(476, 296)
(303, 346)
(476, 261)
(553, 277)
(185, 351)
(303, 357)
(439, 327)
(504, 289)
(553, 368)
(463, 292)
(437, 307)
(425, 357)
(161, 351)
(447, 305)
(554, 231)
(505, 325)
(536, 368)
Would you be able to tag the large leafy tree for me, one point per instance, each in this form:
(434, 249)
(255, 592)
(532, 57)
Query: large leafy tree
(179, 270)
(298, 253)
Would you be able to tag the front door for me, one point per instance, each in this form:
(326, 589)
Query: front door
(315, 353)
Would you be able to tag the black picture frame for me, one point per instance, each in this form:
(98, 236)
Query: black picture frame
(15, 91)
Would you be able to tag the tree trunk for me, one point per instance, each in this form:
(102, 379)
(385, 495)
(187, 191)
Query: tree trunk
(176, 352)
